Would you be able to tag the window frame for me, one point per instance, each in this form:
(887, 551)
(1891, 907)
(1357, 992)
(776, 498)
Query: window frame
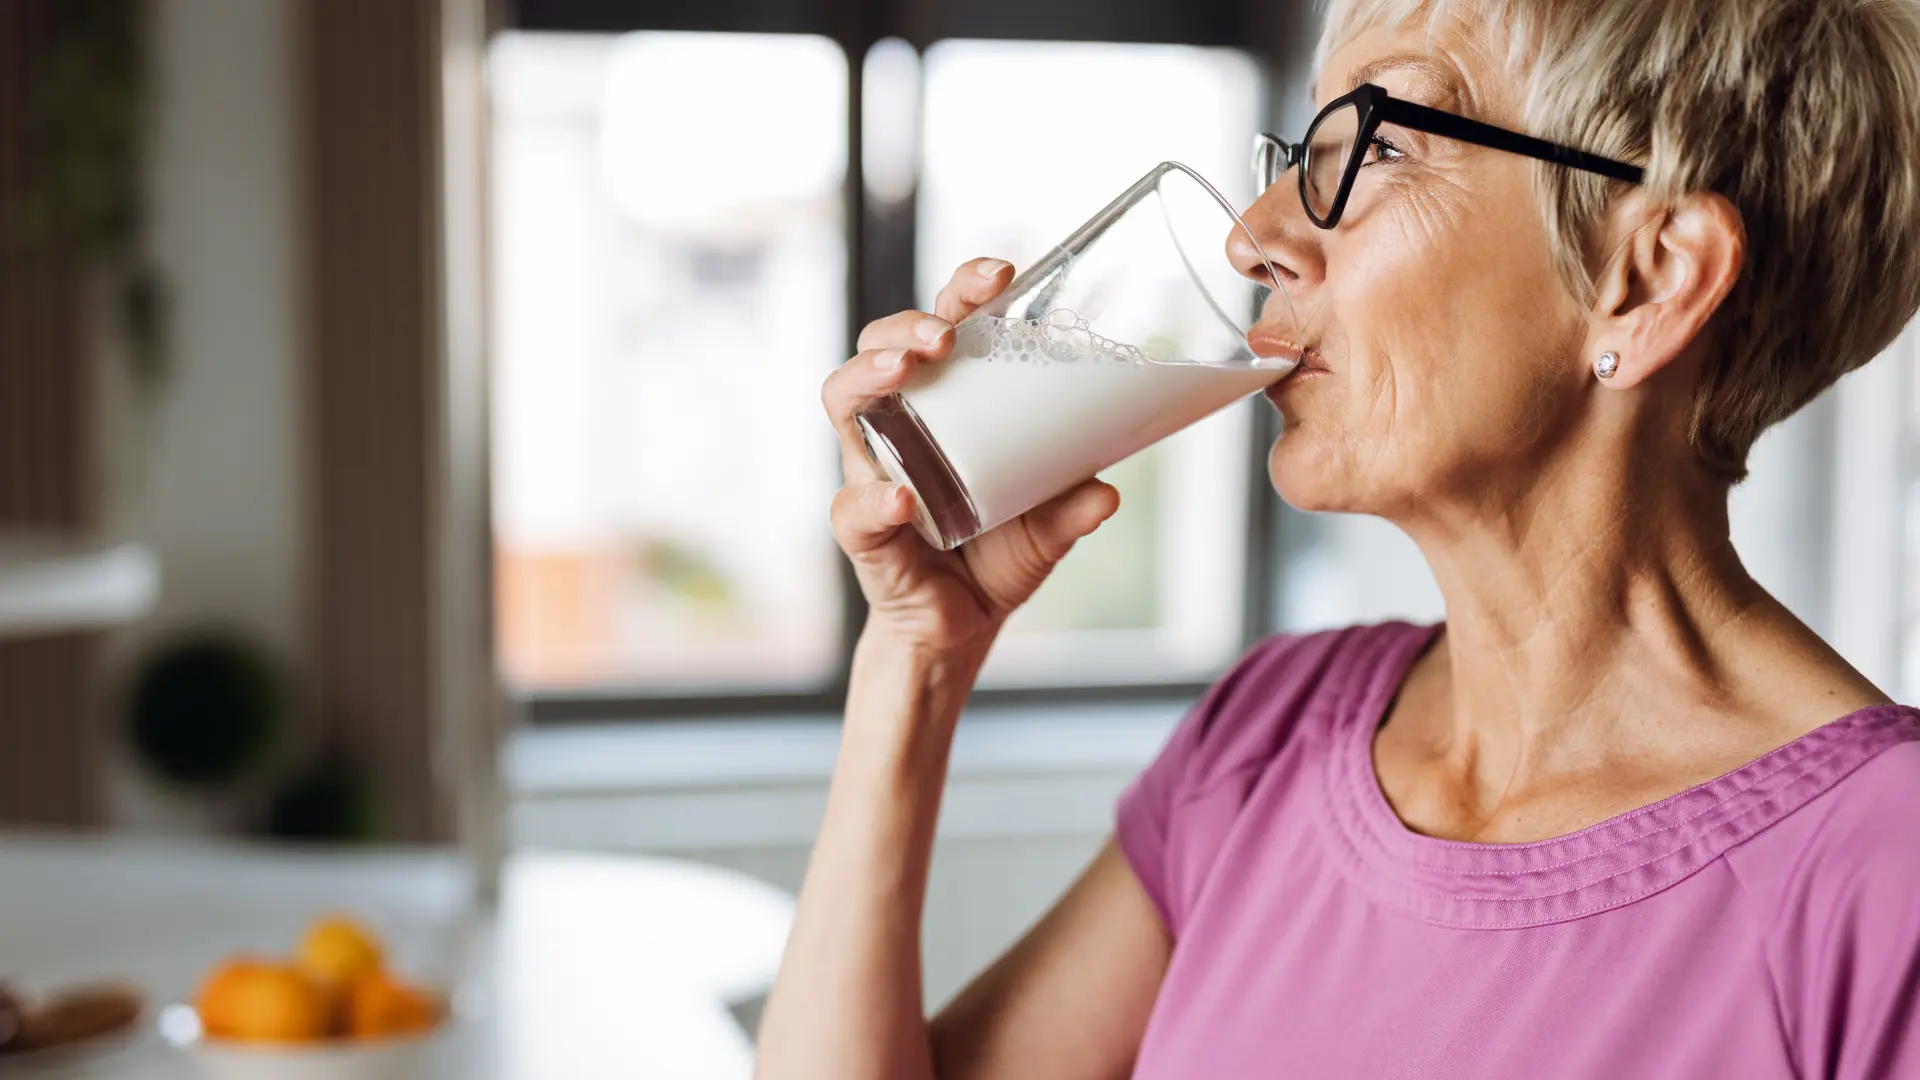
(880, 261)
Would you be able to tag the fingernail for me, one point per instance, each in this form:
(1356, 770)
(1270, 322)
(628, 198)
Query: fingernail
(930, 330)
(990, 267)
(889, 360)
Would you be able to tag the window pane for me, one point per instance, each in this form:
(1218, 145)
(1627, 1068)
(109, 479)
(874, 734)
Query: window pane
(669, 289)
(1345, 569)
(1021, 143)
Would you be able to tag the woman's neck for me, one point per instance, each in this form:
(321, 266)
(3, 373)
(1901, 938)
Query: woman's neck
(1589, 612)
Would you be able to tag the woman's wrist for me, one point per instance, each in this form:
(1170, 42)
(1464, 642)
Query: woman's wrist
(904, 698)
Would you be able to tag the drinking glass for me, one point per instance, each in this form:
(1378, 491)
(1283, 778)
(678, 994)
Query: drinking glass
(1134, 327)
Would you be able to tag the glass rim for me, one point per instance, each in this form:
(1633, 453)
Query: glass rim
(1276, 288)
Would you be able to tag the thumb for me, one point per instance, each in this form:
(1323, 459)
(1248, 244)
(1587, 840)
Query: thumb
(1056, 524)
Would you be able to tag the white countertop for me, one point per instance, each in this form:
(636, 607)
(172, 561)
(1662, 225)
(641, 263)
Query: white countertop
(593, 966)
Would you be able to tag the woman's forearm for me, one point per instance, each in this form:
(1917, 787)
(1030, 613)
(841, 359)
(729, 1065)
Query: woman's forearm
(847, 1004)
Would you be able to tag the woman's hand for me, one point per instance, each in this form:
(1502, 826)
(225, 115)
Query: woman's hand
(918, 595)
(847, 1003)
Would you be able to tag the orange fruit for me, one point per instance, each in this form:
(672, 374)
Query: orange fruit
(381, 1005)
(336, 951)
(255, 1000)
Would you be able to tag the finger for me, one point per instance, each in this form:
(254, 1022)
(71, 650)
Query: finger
(1057, 523)
(916, 330)
(852, 387)
(866, 516)
(973, 284)
(857, 463)
(872, 374)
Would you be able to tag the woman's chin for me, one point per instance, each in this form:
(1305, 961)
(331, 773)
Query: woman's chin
(1310, 477)
(1301, 485)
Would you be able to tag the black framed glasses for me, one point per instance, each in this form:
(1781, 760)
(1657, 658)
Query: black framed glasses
(1339, 139)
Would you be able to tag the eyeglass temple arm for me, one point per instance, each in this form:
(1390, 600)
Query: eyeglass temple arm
(1448, 125)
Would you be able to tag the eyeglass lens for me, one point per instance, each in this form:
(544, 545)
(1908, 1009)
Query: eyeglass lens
(1329, 148)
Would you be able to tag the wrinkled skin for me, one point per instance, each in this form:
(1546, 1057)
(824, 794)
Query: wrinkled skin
(1450, 353)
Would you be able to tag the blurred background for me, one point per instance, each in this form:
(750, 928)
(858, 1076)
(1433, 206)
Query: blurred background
(409, 426)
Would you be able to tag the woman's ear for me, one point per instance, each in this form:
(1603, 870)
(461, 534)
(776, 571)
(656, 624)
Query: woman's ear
(1671, 269)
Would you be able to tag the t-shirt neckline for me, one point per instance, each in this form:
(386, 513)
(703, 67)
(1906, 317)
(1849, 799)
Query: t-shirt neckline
(1606, 865)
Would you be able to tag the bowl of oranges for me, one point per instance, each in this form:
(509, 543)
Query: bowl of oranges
(333, 1011)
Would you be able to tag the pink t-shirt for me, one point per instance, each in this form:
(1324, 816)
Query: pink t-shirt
(1764, 924)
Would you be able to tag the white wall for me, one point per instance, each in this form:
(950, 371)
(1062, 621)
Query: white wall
(223, 501)
(1877, 511)
(210, 476)
(1783, 515)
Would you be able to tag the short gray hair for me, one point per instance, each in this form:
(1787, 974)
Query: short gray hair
(1805, 114)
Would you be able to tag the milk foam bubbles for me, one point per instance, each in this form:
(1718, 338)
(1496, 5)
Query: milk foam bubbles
(1023, 410)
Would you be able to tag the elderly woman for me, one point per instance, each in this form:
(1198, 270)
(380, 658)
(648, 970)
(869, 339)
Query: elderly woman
(1557, 264)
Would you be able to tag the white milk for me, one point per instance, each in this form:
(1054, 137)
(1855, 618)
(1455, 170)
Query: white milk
(1024, 410)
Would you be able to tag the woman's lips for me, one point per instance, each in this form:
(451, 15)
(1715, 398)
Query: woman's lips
(1271, 345)
(1311, 366)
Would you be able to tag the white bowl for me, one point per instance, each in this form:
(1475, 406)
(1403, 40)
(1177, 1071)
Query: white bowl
(398, 1058)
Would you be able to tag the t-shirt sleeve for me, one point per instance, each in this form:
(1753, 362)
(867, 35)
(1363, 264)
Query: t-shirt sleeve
(1144, 816)
(1172, 820)
(1849, 947)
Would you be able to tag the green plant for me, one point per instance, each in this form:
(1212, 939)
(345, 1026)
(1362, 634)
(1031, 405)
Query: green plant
(85, 197)
(332, 800)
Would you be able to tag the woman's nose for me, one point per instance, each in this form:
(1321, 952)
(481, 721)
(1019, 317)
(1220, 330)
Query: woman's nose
(1290, 240)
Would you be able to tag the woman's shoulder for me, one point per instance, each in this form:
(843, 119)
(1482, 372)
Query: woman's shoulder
(1865, 833)
(1275, 706)
(1293, 687)
(1854, 844)
(1863, 775)
(1836, 891)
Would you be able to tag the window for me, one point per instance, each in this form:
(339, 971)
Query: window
(670, 283)
(677, 261)
(1022, 142)
(1339, 570)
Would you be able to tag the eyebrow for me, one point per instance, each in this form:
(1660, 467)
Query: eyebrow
(1439, 78)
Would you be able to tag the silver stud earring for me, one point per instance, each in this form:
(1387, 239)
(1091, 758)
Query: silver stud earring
(1607, 365)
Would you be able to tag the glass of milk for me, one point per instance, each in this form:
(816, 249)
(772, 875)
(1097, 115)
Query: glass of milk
(1130, 330)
